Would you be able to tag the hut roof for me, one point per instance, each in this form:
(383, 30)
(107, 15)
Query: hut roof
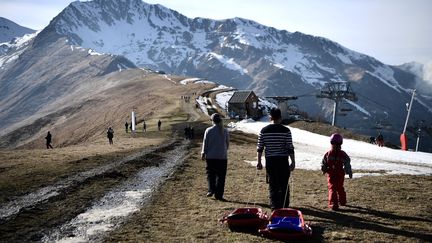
(240, 96)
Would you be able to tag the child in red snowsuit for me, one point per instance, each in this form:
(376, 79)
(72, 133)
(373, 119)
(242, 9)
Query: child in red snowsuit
(336, 163)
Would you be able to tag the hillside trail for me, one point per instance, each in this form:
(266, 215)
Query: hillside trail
(85, 206)
(190, 109)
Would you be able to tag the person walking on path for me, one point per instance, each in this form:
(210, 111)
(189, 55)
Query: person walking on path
(336, 163)
(276, 140)
(48, 139)
(144, 127)
(126, 127)
(110, 135)
(215, 153)
(159, 124)
(380, 140)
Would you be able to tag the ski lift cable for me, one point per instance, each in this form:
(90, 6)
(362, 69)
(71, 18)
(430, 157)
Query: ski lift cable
(307, 94)
(370, 100)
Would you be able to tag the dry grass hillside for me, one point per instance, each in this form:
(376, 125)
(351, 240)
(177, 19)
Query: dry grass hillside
(151, 95)
(392, 208)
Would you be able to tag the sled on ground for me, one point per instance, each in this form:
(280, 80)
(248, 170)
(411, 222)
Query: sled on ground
(246, 219)
(286, 224)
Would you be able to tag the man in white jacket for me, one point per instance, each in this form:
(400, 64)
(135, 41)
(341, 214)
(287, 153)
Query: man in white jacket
(215, 153)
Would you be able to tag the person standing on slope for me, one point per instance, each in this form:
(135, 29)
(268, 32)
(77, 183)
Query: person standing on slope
(277, 141)
(48, 139)
(215, 153)
(380, 140)
(336, 163)
(110, 135)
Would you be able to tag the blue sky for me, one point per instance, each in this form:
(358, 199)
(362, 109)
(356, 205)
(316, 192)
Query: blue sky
(393, 31)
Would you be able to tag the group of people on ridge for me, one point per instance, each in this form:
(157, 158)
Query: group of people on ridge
(379, 140)
(275, 141)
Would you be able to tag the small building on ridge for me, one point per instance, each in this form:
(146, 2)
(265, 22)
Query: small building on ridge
(244, 104)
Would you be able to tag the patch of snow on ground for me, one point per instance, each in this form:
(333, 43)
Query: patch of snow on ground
(311, 147)
(189, 80)
(112, 209)
(223, 98)
(221, 87)
(202, 104)
(93, 53)
(195, 81)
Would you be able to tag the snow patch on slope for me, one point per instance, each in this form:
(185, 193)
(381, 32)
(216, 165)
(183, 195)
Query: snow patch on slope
(228, 62)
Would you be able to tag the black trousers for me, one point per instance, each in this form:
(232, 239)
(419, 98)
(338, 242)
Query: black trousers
(216, 172)
(278, 174)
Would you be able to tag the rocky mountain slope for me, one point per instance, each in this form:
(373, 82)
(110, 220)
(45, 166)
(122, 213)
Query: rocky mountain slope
(48, 84)
(9, 30)
(243, 54)
(247, 55)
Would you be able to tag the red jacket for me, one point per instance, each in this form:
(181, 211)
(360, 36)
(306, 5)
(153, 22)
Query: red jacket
(336, 162)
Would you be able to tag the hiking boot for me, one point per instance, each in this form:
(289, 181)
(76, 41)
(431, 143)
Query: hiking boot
(209, 194)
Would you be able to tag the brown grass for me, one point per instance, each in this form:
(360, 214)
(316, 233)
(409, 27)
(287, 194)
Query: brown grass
(380, 208)
(383, 209)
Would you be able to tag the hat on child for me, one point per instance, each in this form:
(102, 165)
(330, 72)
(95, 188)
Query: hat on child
(336, 139)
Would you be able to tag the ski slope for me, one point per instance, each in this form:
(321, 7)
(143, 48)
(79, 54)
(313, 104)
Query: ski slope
(367, 158)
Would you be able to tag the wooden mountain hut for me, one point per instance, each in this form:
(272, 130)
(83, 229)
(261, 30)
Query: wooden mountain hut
(244, 104)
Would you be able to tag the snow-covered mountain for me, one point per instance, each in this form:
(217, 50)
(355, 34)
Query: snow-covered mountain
(247, 55)
(44, 79)
(9, 31)
(423, 77)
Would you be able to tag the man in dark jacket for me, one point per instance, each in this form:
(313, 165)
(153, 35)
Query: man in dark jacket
(48, 139)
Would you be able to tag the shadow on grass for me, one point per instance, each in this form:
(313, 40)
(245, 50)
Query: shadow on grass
(357, 209)
(364, 223)
(317, 234)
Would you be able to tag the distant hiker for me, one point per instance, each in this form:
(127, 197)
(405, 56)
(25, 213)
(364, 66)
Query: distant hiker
(110, 135)
(126, 127)
(159, 124)
(380, 140)
(276, 140)
(336, 163)
(187, 132)
(191, 133)
(215, 153)
(48, 140)
(144, 127)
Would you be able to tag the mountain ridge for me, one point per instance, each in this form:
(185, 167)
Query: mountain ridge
(246, 55)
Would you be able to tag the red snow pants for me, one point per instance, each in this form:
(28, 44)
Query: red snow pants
(336, 191)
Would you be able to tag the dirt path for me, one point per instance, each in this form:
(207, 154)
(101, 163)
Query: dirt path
(86, 205)
(117, 204)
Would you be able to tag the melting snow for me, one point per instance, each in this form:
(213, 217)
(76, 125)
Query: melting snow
(310, 148)
(108, 213)
(195, 81)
